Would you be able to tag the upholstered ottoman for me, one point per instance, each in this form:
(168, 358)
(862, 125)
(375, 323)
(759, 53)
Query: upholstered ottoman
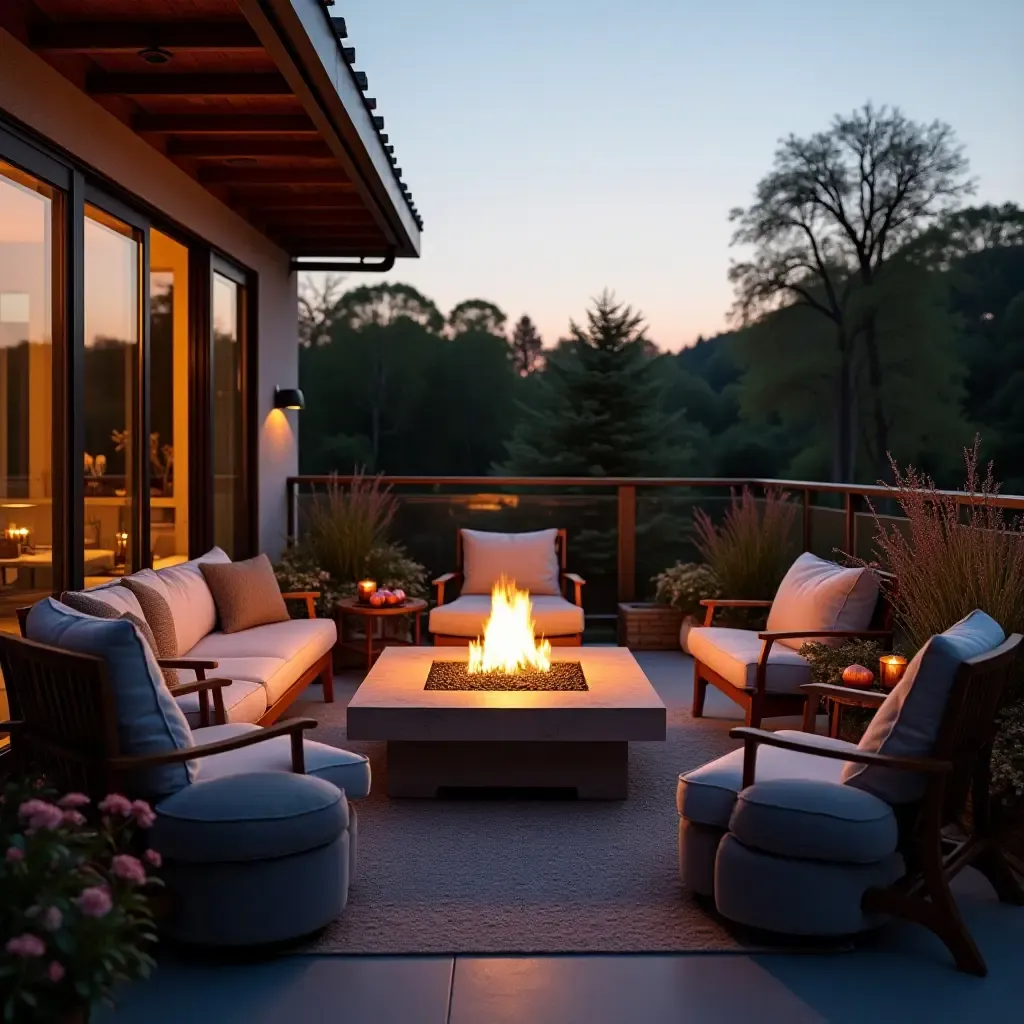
(800, 854)
(251, 859)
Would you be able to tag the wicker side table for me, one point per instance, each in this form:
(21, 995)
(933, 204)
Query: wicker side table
(374, 644)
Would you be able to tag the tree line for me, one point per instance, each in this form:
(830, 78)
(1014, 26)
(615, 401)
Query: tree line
(876, 312)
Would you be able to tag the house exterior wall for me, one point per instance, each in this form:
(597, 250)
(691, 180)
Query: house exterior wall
(35, 94)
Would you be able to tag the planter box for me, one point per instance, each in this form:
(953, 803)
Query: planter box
(649, 627)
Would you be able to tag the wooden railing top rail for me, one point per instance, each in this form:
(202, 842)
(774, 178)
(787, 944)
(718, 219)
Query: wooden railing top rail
(1014, 501)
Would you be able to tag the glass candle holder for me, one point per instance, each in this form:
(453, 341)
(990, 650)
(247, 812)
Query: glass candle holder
(890, 669)
(365, 588)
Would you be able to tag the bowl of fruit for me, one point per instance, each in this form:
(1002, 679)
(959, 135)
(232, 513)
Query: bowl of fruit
(387, 598)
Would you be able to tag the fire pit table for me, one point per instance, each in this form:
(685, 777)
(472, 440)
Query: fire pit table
(563, 736)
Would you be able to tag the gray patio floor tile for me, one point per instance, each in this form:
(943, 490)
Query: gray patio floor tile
(621, 990)
(292, 990)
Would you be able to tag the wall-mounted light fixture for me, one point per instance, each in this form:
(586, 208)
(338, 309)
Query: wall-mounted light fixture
(288, 398)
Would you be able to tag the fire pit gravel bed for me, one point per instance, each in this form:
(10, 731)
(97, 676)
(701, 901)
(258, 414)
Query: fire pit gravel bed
(454, 675)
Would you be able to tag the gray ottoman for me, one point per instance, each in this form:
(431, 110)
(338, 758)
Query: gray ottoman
(251, 859)
(800, 854)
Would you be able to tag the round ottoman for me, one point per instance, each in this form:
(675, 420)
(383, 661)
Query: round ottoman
(251, 859)
(800, 854)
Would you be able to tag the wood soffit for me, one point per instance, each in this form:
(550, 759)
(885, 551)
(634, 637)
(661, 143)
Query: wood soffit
(194, 80)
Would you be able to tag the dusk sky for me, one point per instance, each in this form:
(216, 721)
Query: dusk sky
(558, 147)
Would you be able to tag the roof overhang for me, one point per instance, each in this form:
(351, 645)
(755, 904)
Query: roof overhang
(258, 100)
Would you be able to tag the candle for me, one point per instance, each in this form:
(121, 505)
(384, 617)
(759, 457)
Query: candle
(366, 588)
(890, 669)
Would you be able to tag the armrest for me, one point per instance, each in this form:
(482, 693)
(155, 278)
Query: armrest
(180, 689)
(309, 596)
(202, 687)
(868, 698)
(839, 634)
(293, 727)
(711, 603)
(578, 583)
(440, 582)
(198, 665)
(752, 738)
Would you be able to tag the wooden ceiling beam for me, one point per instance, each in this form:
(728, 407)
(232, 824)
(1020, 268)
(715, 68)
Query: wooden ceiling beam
(131, 37)
(239, 177)
(225, 124)
(160, 83)
(244, 148)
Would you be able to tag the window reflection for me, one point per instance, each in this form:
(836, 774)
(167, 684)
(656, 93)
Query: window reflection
(227, 411)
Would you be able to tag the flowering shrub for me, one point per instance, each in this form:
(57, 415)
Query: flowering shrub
(73, 904)
(685, 585)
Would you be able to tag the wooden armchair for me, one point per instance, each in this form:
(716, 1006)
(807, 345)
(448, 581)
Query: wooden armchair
(752, 692)
(570, 585)
(933, 840)
(64, 724)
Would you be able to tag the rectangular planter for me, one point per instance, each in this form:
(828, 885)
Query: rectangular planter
(649, 627)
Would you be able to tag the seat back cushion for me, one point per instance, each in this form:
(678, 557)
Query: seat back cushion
(816, 594)
(187, 596)
(148, 719)
(908, 723)
(246, 594)
(528, 558)
(112, 594)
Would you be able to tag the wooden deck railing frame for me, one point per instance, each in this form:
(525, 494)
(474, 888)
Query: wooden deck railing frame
(855, 498)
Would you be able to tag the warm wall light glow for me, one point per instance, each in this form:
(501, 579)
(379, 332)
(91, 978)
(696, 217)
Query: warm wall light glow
(508, 643)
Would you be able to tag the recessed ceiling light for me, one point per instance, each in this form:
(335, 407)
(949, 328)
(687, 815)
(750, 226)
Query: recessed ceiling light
(155, 55)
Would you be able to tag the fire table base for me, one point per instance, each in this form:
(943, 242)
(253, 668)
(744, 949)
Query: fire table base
(595, 770)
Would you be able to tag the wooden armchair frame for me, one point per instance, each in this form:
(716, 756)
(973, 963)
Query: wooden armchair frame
(64, 724)
(959, 767)
(756, 701)
(323, 669)
(565, 580)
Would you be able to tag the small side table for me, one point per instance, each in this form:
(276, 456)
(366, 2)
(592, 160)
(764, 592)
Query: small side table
(373, 644)
(837, 697)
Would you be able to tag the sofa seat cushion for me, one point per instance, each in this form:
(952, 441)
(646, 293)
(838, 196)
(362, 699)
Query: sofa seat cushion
(349, 772)
(907, 724)
(244, 701)
(707, 795)
(733, 654)
(466, 615)
(302, 641)
(148, 719)
(814, 820)
(817, 594)
(275, 675)
(528, 558)
(259, 816)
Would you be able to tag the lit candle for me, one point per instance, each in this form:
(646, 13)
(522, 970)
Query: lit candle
(366, 588)
(890, 669)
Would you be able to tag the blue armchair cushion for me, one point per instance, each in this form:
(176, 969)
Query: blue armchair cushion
(250, 817)
(907, 724)
(814, 820)
(149, 720)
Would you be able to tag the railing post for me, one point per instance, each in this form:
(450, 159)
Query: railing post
(851, 525)
(291, 490)
(807, 520)
(627, 543)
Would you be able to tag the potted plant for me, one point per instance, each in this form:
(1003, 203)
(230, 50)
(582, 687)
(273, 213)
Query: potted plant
(684, 586)
(74, 909)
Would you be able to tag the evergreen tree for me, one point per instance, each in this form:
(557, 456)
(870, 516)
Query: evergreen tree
(598, 410)
(526, 347)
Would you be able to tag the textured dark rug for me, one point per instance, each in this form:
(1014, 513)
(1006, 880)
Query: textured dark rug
(532, 876)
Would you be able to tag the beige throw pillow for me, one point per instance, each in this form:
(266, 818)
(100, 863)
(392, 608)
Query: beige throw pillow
(158, 615)
(246, 593)
(101, 610)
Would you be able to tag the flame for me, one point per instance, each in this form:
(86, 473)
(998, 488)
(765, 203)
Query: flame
(508, 643)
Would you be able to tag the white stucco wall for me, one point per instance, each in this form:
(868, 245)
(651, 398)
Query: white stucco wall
(32, 92)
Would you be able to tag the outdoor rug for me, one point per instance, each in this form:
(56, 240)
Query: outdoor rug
(532, 876)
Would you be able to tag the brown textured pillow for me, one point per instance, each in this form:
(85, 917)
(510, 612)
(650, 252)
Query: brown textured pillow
(246, 593)
(158, 615)
(101, 610)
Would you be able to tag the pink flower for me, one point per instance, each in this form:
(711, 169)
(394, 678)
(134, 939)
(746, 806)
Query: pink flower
(51, 919)
(26, 945)
(73, 818)
(153, 857)
(143, 813)
(55, 972)
(114, 803)
(39, 814)
(73, 800)
(130, 868)
(95, 901)
(14, 855)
